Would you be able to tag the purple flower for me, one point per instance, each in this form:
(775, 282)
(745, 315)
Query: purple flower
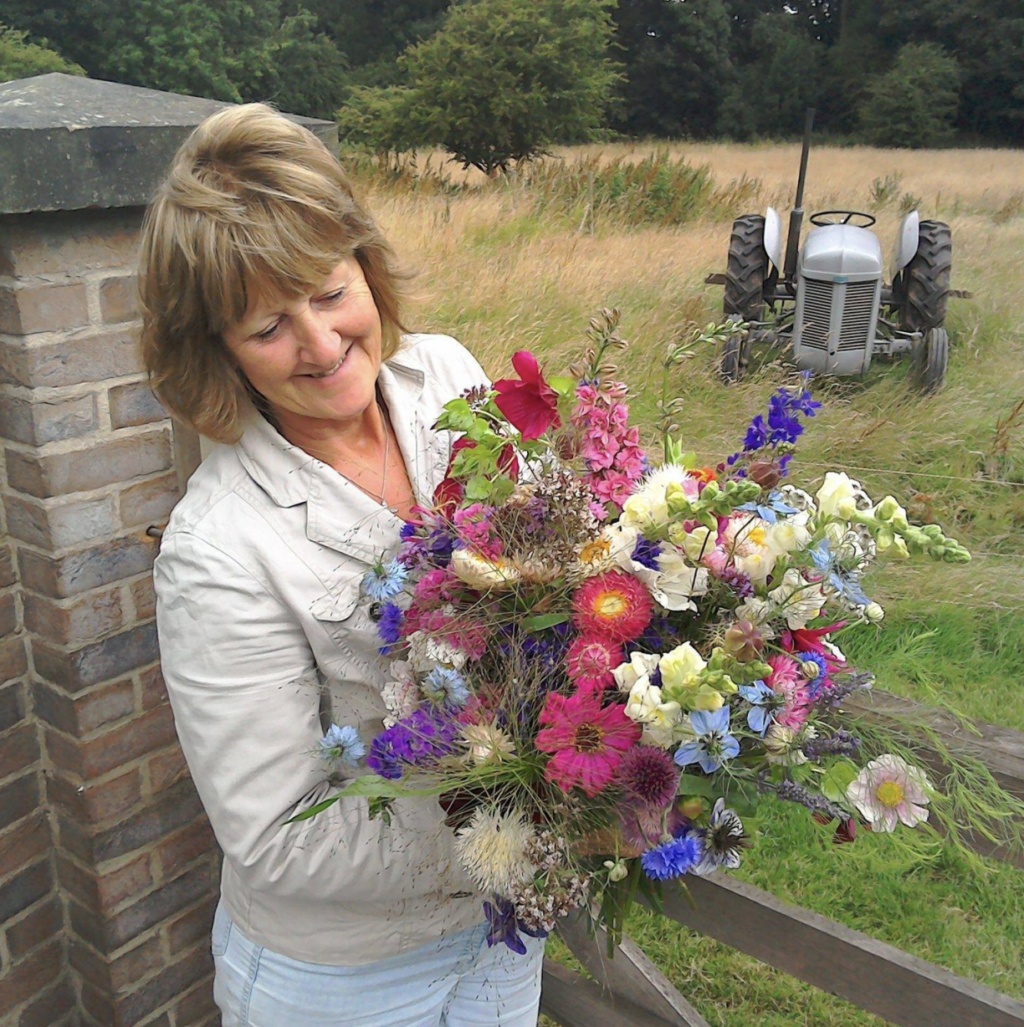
(502, 925)
(646, 553)
(418, 741)
(389, 626)
(672, 859)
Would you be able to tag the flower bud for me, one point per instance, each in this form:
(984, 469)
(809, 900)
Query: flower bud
(617, 870)
(874, 612)
(765, 472)
(744, 641)
(692, 807)
(886, 508)
(846, 508)
(810, 669)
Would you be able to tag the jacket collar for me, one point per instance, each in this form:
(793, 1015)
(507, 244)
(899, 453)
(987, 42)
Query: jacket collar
(339, 515)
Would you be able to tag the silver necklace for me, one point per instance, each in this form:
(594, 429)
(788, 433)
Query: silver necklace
(384, 474)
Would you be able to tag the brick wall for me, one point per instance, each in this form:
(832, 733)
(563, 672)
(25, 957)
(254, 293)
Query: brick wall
(108, 868)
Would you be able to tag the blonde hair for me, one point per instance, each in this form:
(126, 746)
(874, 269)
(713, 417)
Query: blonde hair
(253, 203)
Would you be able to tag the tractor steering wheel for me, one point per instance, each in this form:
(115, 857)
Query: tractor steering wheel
(841, 217)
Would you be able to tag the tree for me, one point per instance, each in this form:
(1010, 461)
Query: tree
(772, 92)
(914, 104)
(676, 58)
(21, 59)
(234, 50)
(504, 79)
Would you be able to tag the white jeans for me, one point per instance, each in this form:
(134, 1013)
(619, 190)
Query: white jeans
(456, 981)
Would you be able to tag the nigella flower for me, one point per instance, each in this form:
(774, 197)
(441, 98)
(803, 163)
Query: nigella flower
(769, 511)
(384, 581)
(722, 841)
(445, 685)
(713, 744)
(764, 702)
(342, 745)
(673, 858)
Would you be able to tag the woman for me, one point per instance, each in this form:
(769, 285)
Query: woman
(272, 325)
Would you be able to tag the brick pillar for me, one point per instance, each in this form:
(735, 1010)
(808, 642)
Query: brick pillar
(108, 867)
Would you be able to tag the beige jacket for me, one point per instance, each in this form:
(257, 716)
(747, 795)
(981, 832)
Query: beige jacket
(265, 640)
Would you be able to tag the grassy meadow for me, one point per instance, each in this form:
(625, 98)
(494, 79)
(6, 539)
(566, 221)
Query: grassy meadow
(525, 262)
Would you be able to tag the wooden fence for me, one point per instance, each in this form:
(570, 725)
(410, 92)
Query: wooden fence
(629, 991)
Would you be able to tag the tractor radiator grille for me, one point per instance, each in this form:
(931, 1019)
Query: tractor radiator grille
(817, 314)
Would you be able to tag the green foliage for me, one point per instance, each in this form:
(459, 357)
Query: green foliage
(914, 104)
(236, 50)
(678, 66)
(504, 79)
(772, 91)
(21, 59)
(382, 119)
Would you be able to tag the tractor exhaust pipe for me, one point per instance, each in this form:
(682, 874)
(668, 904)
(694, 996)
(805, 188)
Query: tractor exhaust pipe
(796, 216)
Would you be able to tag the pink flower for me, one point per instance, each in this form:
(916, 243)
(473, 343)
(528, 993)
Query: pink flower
(649, 777)
(612, 487)
(590, 662)
(435, 587)
(614, 605)
(529, 403)
(587, 742)
(786, 680)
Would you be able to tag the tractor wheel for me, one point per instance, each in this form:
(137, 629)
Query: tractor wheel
(930, 359)
(747, 269)
(924, 282)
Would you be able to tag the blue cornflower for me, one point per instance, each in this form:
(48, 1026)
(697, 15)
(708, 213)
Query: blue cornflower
(343, 745)
(389, 626)
(384, 581)
(445, 685)
(764, 702)
(713, 744)
(770, 510)
(646, 553)
(673, 858)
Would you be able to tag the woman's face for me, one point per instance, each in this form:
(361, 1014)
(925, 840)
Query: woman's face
(316, 356)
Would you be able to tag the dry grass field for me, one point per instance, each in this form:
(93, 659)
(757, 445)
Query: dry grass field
(524, 262)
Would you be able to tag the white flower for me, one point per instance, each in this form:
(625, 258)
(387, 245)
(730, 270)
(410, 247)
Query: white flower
(660, 720)
(426, 652)
(640, 665)
(681, 667)
(478, 571)
(492, 849)
(800, 601)
(401, 694)
(697, 543)
(676, 581)
(788, 534)
(487, 743)
(888, 791)
(758, 611)
(648, 506)
(797, 498)
(746, 540)
(837, 496)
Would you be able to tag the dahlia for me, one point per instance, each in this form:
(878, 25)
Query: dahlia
(614, 605)
(590, 662)
(586, 742)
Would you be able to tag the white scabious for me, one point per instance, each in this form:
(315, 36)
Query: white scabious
(426, 652)
(493, 847)
(401, 693)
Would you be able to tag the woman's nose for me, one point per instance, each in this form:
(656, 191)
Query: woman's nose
(318, 343)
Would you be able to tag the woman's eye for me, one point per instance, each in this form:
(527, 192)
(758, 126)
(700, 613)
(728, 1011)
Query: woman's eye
(268, 334)
(335, 296)
(272, 330)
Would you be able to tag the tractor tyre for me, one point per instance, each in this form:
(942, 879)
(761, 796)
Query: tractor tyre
(747, 269)
(930, 359)
(924, 282)
(732, 365)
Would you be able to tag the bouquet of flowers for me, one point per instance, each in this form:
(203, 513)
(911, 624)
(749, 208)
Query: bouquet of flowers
(602, 665)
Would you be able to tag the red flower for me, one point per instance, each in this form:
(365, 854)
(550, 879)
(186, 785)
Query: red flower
(530, 404)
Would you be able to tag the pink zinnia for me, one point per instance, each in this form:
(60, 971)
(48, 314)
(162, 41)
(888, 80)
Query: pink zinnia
(587, 742)
(590, 662)
(614, 605)
(529, 403)
(785, 680)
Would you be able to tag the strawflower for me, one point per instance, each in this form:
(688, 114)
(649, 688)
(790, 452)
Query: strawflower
(590, 662)
(613, 605)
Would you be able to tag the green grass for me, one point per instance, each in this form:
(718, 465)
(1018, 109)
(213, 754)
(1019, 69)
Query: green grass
(506, 275)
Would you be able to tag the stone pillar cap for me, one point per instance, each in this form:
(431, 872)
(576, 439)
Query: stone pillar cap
(69, 142)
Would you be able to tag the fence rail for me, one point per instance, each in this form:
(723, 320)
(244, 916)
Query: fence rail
(629, 991)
